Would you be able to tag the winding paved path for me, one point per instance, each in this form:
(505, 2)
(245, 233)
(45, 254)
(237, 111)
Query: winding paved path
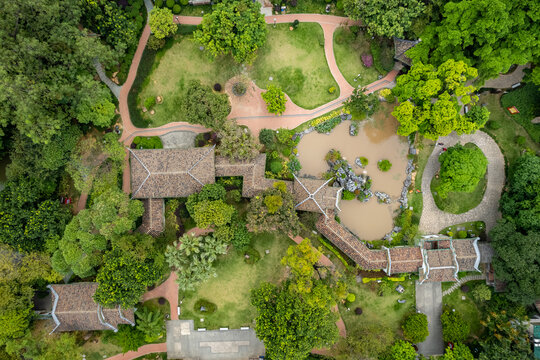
(433, 219)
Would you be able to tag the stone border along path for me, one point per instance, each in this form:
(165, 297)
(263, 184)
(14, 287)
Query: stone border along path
(433, 219)
(463, 281)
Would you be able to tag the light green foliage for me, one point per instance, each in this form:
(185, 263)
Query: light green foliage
(237, 142)
(289, 325)
(86, 236)
(481, 293)
(161, 23)
(233, 27)
(460, 352)
(212, 213)
(192, 257)
(285, 219)
(202, 106)
(402, 350)
(462, 167)
(95, 104)
(273, 203)
(385, 18)
(491, 35)
(454, 328)
(415, 328)
(45, 347)
(275, 100)
(301, 259)
(150, 323)
(429, 99)
(384, 165)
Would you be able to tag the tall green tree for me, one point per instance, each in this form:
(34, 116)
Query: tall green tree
(490, 35)
(462, 167)
(40, 63)
(161, 23)
(233, 27)
(454, 328)
(301, 259)
(384, 18)
(430, 99)
(289, 325)
(459, 352)
(45, 347)
(95, 105)
(201, 105)
(402, 350)
(415, 328)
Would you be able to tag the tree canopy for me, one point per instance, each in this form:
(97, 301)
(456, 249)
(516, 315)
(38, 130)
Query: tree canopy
(430, 99)
(490, 35)
(462, 167)
(202, 106)
(402, 350)
(459, 352)
(161, 23)
(237, 142)
(384, 18)
(275, 100)
(301, 259)
(415, 328)
(454, 328)
(233, 27)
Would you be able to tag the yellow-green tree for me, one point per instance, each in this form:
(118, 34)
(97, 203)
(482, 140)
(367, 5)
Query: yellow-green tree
(161, 23)
(275, 100)
(301, 259)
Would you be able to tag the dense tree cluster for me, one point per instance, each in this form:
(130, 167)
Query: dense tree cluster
(415, 328)
(201, 105)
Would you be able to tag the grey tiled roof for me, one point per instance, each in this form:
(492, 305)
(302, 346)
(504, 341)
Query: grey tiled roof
(74, 309)
(323, 196)
(153, 217)
(400, 47)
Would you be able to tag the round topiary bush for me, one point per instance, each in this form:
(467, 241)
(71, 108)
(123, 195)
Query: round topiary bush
(364, 161)
(351, 297)
(161, 300)
(462, 234)
(358, 311)
(332, 90)
(158, 3)
(239, 88)
(176, 9)
(184, 2)
(251, 256)
(170, 4)
(217, 87)
(384, 165)
(203, 306)
(276, 166)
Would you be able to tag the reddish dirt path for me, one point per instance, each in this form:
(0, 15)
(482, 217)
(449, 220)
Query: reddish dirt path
(143, 350)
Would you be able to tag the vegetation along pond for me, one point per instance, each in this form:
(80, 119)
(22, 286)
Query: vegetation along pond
(376, 140)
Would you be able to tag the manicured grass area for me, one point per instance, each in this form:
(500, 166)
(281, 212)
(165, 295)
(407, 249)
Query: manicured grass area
(507, 134)
(296, 62)
(175, 66)
(153, 305)
(230, 290)
(382, 310)
(348, 50)
(527, 100)
(199, 10)
(314, 7)
(468, 308)
(459, 202)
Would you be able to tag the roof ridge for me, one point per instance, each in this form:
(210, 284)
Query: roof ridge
(197, 162)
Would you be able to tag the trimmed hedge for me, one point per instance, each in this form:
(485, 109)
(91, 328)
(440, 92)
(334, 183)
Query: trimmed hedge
(397, 279)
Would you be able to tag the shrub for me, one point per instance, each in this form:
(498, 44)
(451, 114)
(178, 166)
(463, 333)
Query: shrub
(242, 237)
(328, 125)
(266, 137)
(388, 95)
(209, 307)
(415, 328)
(150, 142)
(276, 166)
(158, 3)
(149, 102)
(295, 23)
(217, 87)
(332, 90)
(351, 297)
(520, 140)
(233, 196)
(286, 152)
(481, 293)
(454, 328)
(384, 165)
(239, 88)
(462, 234)
(330, 247)
(176, 9)
(275, 99)
(367, 60)
(385, 287)
(294, 165)
(493, 125)
(364, 161)
(170, 4)
(184, 2)
(339, 5)
(155, 43)
(251, 256)
(355, 29)
(358, 311)
(347, 195)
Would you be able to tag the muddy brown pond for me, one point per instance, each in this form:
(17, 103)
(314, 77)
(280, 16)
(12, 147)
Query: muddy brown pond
(376, 140)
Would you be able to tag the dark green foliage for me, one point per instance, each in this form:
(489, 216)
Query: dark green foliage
(493, 125)
(384, 165)
(527, 100)
(241, 236)
(158, 3)
(478, 115)
(239, 88)
(294, 165)
(151, 323)
(128, 337)
(170, 4)
(462, 167)
(254, 256)
(362, 103)
(233, 196)
(266, 137)
(415, 328)
(382, 62)
(210, 307)
(328, 125)
(151, 142)
(202, 106)
(209, 192)
(521, 200)
(520, 140)
(454, 328)
(154, 43)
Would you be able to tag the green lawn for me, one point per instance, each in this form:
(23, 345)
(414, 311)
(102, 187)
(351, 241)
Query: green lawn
(314, 7)
(509, 129)
(424, 150)
(174, 68)
(348, 49)
(459, 202)
(296, 62)
(382, 310)
(467, 308)
(527, 100)
(230, 290)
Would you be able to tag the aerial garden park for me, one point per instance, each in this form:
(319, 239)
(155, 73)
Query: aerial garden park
(418, 142)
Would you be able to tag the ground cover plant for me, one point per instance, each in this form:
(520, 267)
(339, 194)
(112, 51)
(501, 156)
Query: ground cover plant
(349, 45)
(296, 62)
(230, 290)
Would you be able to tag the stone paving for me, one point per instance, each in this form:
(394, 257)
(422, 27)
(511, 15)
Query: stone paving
(184, 342)
(506, 81)
(433, 219)
(178, 139)
(429, 302)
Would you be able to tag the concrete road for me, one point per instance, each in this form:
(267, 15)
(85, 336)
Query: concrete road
(429, 302)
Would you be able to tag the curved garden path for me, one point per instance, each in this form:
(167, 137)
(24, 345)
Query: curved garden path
(433, 219)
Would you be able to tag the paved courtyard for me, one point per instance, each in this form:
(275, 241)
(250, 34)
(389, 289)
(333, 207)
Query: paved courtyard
(184, 342)
(429, 302)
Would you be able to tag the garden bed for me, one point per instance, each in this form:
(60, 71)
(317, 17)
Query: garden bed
(230, 290)
(468, 308)
(295, 60)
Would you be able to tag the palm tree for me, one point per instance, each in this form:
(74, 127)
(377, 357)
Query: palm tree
(150, 323)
